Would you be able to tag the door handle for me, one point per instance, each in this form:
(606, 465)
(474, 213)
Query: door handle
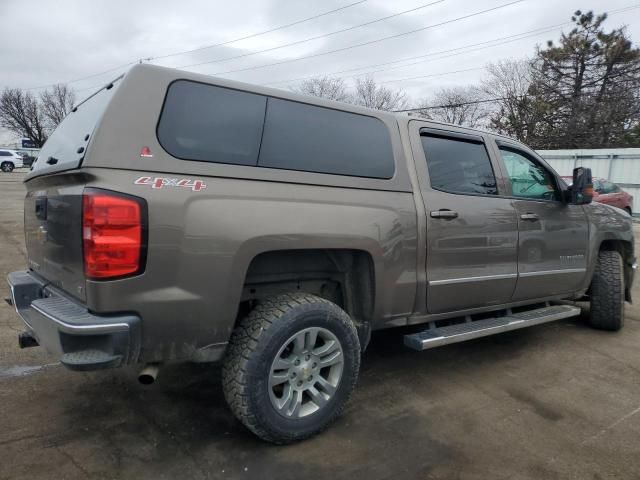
(531, 217)
(444, 213)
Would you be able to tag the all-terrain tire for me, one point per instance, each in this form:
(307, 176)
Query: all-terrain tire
(607, 292)
(258, 340)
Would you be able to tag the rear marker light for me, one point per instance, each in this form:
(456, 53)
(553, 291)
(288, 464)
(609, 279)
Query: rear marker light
(111, 235)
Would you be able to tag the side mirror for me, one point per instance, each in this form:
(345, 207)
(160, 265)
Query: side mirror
(582, 188)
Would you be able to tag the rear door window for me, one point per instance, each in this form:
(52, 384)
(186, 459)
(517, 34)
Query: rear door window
(305, 137)
(212, 124)
(459, 166)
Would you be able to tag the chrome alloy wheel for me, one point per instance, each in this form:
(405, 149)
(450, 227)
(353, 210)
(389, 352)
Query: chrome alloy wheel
(306, 372)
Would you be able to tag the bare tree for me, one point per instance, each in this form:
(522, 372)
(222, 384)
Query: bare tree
(325, 87)
(458, 105)
(28, 116)
(515, 112)
(20, 113)
(57, 103)
(369, 94)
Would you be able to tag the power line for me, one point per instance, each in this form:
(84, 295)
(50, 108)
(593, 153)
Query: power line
(464, 48)
(84, 78)
(435, 74)
(486, 100)
(306, 77)
(371, 42)
(253, 35)
(128, 64)
(613, 12)
(317, 37)
(508, 39)
(455, 105)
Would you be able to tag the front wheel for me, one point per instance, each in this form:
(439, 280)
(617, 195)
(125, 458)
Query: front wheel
(291, 366)
(6, 167)
(607, 292)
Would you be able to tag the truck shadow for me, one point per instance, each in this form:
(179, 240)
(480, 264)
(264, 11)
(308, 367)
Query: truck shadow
(394, 413)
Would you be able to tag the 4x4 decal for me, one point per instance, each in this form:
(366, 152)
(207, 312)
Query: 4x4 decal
(160, 182)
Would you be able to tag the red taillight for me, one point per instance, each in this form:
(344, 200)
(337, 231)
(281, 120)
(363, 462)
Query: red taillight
(111, 235)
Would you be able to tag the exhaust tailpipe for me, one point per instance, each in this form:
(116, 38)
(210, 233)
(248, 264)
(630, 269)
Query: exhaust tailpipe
(148, 374)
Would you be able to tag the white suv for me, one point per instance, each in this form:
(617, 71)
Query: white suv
(10, 159)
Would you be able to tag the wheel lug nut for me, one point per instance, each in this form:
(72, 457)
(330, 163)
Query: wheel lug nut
(314, 365)
(307, 357)
(296, 363)
(293, 374)
(299, 383)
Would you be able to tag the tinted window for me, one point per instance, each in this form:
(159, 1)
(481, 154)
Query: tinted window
(607, 187)
(597, 186)
(315, 139)
(528, 178)
(4, 153)
(212, 124)
(459, 166)
(66, 141)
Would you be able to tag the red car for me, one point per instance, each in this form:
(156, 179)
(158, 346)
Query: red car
(609, 193)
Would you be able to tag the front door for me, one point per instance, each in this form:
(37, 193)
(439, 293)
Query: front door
(471, 231)
(553, 235)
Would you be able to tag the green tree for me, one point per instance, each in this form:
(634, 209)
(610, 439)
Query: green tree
(588, 86)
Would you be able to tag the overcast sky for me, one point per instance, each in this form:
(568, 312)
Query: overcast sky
(48, 42)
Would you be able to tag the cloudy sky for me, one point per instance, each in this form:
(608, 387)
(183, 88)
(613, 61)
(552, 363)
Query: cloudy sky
(86, 43)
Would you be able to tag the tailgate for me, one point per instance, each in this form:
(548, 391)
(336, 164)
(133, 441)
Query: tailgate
(53, 232)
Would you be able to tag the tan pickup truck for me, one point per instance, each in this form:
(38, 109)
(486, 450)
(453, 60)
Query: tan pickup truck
(178, 217)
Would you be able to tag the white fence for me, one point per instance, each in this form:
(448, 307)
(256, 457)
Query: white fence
(619, 165)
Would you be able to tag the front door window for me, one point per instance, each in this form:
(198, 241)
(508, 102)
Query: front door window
(528, 178)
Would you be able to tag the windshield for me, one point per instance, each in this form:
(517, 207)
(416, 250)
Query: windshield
(66, 146)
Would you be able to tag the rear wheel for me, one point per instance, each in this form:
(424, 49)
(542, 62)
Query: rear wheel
(291, 366)
(607, 292)
(6, 167)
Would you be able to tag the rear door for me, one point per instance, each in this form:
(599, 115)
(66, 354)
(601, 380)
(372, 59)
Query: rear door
(552, 234)
(471, 231)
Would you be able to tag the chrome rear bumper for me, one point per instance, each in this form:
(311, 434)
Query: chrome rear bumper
(82, 340)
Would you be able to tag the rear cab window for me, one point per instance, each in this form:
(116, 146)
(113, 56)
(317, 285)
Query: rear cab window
(208, 123)
(66, 147)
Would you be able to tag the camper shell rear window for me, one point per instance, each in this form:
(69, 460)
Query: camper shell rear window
(214, 124)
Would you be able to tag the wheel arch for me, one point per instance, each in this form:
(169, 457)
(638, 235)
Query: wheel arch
(343, 276)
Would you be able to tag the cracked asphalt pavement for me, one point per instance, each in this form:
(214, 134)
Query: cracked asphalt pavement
(554, 401)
